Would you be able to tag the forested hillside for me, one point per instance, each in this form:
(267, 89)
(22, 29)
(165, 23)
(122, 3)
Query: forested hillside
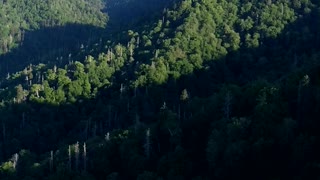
(199, 89)
(41, 31)
(19, 16)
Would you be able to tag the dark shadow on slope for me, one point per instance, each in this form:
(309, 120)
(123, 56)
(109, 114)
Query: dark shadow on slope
(126, 14)
(278, 60)
(274, 61)
(55, 45)
(48, 127)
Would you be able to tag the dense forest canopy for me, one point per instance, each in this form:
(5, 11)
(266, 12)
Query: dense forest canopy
(19, 16)
(200, 89)
(42, 31)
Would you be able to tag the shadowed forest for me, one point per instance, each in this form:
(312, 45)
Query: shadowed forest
(190, 89)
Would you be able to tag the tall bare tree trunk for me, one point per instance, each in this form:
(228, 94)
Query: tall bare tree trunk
(84, 157)
(76, 151)
(51, 161)
(69, 154)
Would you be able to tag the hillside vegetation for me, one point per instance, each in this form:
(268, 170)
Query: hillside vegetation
(202, 89)
(33, 31)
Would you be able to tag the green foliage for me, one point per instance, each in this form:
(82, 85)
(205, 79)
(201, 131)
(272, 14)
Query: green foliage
(7, 167)
(210, 89)
(19, 16)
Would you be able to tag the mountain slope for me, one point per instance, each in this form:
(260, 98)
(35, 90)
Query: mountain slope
(214, 89)
(20, 16)
(39, 31)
